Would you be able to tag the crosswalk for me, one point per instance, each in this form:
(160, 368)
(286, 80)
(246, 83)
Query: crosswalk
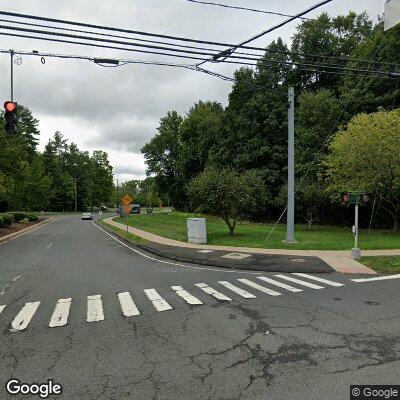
(222, 291)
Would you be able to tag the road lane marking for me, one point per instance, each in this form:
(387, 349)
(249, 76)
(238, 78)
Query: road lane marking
(60, 313)
(318, 279)
(259, 287)
(128, 306)
(158, 302)
(2, 308)
(61, 232)
(279, 284)
(49, 245)
(172, 263)
(22, 320)
(94, 308)
(299, 282)
(209, 290)
(189, 298)
(237, 290)
(377, 278)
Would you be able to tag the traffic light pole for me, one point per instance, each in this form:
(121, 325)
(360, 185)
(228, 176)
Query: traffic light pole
(355, 251)
(290, 200)
(12, 74)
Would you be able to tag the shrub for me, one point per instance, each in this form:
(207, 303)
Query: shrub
(7, 219)
(32, 217)
(19, 216)
(1, 221)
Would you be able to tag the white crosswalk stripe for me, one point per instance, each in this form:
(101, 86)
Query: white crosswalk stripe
(318, 279)
(237, 290)
(209, 290)
(22, 320)
(158, 302)
(299, 282)
(60, 313)
(189, 298)
(2, 308)
(94, 309)
(279, 284)
(128, 306)
(259, 287)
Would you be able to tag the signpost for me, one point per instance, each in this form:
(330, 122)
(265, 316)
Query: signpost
(126, 205)
(355, 198)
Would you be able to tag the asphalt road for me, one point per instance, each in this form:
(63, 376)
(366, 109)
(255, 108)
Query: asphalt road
(308, 344)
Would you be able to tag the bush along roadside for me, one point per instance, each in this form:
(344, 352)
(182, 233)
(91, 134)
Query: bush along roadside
(6, 220)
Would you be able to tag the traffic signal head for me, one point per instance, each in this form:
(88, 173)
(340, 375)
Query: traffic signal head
(10, 116)
(345, 198)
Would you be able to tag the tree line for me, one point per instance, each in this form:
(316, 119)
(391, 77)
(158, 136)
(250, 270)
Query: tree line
(250, 133)
(52, 180)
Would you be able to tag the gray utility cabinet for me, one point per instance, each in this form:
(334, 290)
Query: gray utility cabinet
(197, 230)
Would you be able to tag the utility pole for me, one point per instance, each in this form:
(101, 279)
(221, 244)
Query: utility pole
(355, 251)
(76, 203)
(290, 195)
(12, 74)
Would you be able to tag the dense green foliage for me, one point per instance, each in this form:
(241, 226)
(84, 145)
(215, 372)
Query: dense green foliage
(31, 180)
(250, 133)
(229, 194)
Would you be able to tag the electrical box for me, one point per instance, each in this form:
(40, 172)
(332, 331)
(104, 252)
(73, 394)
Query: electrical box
(197, 230)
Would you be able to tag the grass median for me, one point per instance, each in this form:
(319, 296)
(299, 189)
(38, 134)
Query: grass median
(173, 225)
(382, 264)
(129, 236)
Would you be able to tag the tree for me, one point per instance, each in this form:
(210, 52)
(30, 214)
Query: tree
(228, 194)
(366, 155)
(162, 154)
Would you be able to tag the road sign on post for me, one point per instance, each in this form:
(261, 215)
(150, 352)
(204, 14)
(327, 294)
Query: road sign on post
(355, 198)
(126, 205)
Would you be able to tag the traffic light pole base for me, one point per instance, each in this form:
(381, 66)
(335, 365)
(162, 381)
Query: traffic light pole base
(355, 253)
(289, 241)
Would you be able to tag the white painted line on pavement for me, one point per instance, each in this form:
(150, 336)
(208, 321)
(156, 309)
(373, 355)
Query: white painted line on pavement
(49, 245)
(279, 284)
(189, 298)
(209, 290)
(259, 287)
(16, 278)
(158, 302)
(2, 308)
(377, 278)
(237, 290)
(172, 263)
(299, 282)
(318, 279)
(128, 306)
(21, 321)
(60, 313)
(94, 308)
(61, 232)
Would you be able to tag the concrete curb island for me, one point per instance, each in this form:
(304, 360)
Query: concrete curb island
(339, 261)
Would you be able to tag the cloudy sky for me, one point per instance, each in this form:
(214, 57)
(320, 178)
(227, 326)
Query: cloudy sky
(118, 109)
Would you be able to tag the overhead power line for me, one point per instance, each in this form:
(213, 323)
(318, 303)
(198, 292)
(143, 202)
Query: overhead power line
(162, 44)
(228, 52)
(255, 10)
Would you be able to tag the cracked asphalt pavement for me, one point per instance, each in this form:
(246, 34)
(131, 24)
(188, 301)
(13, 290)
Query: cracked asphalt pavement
(311, 344)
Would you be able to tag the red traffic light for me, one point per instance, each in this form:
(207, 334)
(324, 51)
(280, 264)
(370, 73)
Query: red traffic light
(345, 198)
(10, 106)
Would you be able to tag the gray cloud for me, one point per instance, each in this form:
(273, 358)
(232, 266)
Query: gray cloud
(118, 109)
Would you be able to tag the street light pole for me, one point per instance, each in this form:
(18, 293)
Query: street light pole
(355, 251)
(76, 202)
(290, 238)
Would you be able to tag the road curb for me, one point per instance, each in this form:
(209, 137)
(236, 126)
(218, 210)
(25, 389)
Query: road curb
(212, 263)
(25, 230)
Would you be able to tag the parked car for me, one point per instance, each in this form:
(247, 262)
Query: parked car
(87, 215)
(135, 209)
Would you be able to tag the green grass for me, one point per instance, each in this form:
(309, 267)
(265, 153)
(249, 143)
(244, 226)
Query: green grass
(132, 238)
(383, 264)
(173, 225)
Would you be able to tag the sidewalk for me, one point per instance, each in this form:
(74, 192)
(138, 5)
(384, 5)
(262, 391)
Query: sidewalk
(252, 258)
